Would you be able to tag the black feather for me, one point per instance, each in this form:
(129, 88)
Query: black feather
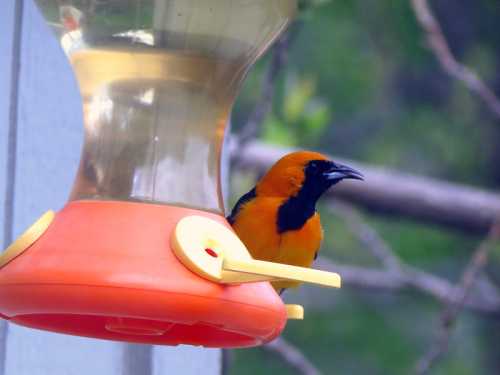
(237, 207)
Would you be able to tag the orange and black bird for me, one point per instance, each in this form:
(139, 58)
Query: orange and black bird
(277, 220)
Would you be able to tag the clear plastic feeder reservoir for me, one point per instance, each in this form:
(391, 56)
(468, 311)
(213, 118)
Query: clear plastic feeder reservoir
(157, 79)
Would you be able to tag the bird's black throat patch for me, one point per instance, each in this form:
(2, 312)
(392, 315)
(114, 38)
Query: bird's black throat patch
(294, 213)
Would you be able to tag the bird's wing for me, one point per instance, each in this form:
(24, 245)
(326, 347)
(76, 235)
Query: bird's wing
(237, 207)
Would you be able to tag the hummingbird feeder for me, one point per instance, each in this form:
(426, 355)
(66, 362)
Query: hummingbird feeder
(142, 252)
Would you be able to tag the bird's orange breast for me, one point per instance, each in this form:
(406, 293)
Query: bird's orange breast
(256, 225)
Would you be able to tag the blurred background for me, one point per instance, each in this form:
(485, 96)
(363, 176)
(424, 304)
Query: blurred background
(356, 79)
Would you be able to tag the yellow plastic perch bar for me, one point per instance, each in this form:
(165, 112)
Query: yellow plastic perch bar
(273, 271)
(214, 252)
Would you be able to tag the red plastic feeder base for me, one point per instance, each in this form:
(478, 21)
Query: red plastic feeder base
(106, 270)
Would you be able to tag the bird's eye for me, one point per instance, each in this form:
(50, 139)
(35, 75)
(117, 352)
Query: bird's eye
(313, 166)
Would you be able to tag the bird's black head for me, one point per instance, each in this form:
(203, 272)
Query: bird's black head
(320, 175)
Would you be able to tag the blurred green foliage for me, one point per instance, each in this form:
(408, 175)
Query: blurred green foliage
(361, 84)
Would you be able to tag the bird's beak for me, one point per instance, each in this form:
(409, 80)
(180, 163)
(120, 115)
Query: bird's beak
(340, 172)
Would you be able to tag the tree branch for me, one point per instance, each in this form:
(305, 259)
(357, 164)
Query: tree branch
(368, 236)
(452, 310)
(394, 266)
(390, 192)
(439, 46)
(291, 356)
(411, 279)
